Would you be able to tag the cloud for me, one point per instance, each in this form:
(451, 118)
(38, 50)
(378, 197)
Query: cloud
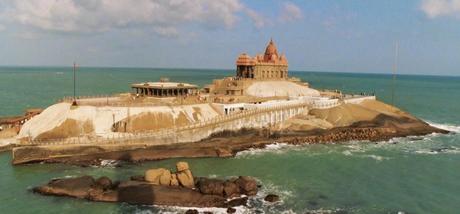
(164, 16)
(437, 8)
(290, 12)
(2, 28)
(257, 19)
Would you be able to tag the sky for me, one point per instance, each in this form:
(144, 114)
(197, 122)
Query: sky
(315, 35)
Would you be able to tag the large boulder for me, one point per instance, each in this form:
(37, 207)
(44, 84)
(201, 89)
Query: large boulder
(231, 189)
(165, 178)
(75, 187)
(182, 166)
(174, 181)
(104, 182)
(211, 186)
(272, 198)
(185, 178)
(158, 176)
(248, 185)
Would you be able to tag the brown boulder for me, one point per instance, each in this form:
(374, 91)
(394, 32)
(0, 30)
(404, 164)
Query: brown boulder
(104, 182)
(211, 186)
(181, 166)
(231, 189)
(174, 181)
(74, 187)
(248, 185)
(158, 176)
(272, 198)
(237, 202)
(165, 178)
(231, 210)
(190, 211)
(185, 178)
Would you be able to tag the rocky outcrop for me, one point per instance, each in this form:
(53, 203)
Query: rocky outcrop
(150, 190)
(227, 143)
(183, 176)
(159, 176)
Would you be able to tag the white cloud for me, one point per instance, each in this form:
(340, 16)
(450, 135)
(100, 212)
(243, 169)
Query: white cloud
(164, 16)
(436, 8)
(257, 19)
(290, 12)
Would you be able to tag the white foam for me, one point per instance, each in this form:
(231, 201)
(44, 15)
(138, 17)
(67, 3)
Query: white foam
(435, 151)
(376, 157)
(448, 127)
(273, 148)
(108, 163)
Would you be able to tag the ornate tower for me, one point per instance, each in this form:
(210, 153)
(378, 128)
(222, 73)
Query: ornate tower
(270, 65)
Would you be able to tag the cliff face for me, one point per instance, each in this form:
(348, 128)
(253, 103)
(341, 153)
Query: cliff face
(62, 120)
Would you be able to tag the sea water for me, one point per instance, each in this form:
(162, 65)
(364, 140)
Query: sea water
(403, 175)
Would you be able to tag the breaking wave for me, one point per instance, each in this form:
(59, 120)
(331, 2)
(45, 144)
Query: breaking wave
(272, 148)
(448, 127)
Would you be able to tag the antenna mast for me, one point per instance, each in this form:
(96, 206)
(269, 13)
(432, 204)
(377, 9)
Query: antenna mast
(395, 69)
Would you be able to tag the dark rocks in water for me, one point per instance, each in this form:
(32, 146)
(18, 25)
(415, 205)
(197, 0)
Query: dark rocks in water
(104, 182)
(231, 210)
(211, 186)
(74, 187)
(190, 211)
(137, 178)
(323, 197)
(141, 192)
(238, 202)
(242, 185)
(272, 198)
(231, 189)
(248, 185)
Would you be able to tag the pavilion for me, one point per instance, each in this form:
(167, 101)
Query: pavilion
(164, 89)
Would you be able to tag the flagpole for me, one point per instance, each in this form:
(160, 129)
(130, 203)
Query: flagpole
(74, 85)
(395, 69)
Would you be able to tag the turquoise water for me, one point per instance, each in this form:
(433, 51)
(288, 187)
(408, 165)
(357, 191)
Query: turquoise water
(410, 175)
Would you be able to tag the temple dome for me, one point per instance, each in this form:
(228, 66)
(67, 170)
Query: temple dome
(244, 59)
(270, 51)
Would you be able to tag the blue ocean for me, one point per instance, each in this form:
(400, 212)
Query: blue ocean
(403, 175)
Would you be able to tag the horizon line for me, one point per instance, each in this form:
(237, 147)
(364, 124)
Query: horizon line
(228, 69)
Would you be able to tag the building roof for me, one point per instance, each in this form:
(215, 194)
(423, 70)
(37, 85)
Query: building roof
(271, 51)
(270, 56)
(163, 85)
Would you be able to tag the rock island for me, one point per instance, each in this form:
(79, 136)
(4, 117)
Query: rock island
(259, 105)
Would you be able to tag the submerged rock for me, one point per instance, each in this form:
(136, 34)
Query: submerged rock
(272, 198)
(231, 210)
(190, 211)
